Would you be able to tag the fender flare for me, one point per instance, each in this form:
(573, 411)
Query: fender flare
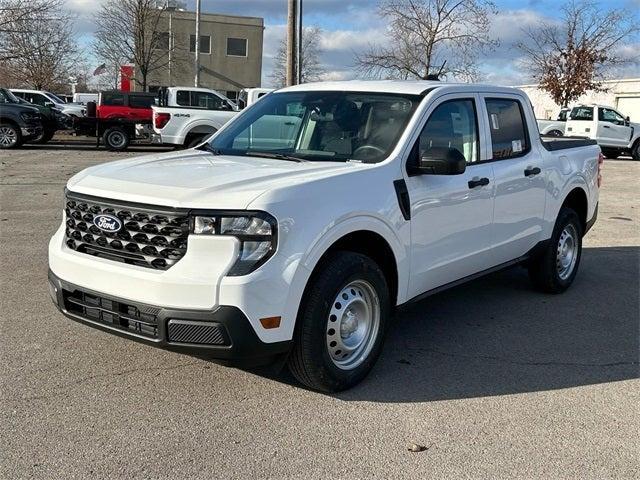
(330, 235)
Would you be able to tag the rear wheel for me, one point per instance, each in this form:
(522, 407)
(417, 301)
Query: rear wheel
(195, 141)
(341, 323)
(10, 135)
(44, 137)
(554, 270)
(556, 133)
(116, 139)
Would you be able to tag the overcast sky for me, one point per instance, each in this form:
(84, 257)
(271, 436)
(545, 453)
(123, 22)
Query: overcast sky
(349, 26)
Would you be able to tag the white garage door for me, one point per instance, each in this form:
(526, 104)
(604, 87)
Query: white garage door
(629, 106)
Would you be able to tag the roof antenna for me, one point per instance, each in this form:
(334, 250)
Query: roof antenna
(436, 76)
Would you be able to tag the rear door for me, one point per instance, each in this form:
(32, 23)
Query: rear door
(451, 215)
(612, 128)
(519, 177)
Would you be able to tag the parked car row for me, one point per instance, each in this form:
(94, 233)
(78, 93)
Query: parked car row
(22, 122)
(614, 132)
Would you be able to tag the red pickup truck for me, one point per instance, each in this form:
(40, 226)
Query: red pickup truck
(126, 105)
(117, 118)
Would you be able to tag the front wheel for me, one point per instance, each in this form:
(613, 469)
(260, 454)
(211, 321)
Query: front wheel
(10, 136)
(341, 323)
(554, 270)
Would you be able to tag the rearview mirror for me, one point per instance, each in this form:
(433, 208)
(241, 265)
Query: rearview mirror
(442, 161)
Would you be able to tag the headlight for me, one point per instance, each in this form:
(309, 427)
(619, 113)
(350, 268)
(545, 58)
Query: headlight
(28, 116)
(256, 231)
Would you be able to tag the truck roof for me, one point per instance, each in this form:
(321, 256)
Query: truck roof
(411, 87)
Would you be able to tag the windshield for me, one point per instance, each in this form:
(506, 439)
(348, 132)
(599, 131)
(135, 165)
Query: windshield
(7, 96)
(54, 98)
(320, 126)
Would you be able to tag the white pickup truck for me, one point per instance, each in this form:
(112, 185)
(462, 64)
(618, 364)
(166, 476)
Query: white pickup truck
(615, 133)
(554, 128)
(185, 116)
(299, 242)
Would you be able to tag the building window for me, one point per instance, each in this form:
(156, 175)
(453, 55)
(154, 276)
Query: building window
(237, 47)
(205, 43)
(161, 40)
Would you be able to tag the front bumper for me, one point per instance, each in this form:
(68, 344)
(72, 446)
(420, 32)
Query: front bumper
(31, 131)
(223, 333)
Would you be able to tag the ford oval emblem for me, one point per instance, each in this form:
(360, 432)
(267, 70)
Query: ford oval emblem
(107, 223)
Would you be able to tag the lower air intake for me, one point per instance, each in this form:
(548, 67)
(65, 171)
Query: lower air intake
(184, 331)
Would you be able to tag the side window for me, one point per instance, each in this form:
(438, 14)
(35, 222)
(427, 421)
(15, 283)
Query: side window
(113, 99)
(183, 98)
(581, 113)
(205, 43)
(608, 115)
(508, 128)
(139, 101)
(38, 99)
(207, 100)
(452, 124)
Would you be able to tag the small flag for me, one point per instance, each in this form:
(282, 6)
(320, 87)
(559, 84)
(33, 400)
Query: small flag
(100, 70)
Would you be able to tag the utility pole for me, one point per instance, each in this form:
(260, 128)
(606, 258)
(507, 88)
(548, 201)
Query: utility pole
(197, 66)
(291, 42)
(299, 45)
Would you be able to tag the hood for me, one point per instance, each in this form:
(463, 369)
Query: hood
(196, 179)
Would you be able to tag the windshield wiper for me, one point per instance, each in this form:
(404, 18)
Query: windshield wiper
(277, 156)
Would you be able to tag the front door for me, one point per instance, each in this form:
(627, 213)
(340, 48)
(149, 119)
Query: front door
(451, 215)
(612, 128)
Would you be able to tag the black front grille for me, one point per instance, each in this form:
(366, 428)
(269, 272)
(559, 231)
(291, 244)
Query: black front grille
(130, 318)
(150, 237)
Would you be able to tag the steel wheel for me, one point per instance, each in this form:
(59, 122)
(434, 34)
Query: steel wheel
(117, 139)
(567, 252)
(353, 324)
(8, 136)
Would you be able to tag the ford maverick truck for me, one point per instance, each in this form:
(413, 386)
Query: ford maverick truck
(295, 231)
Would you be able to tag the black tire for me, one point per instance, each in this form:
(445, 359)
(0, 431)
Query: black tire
(44, 137)
(195, 141)
(611, 153)
(116, 139)
(545, 270)
(635, 151)
(310, 361)
(556, 133)
(10, 136)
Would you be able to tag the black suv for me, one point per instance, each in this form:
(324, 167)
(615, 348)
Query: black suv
(18, 123)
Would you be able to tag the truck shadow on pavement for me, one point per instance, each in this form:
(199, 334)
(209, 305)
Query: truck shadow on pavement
(497, 336)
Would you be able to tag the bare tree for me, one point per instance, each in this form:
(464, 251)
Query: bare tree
(312, 69)
(39, 45)
(131, 30)
(573, 56)
(430, 39)
(19, 17)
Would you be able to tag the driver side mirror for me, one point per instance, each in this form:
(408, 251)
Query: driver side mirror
(627, 121)
(441, 161)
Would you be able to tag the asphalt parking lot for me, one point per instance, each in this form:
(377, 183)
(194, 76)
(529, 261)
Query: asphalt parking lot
(496, 380)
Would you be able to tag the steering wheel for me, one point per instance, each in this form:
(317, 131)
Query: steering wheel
(366, 148)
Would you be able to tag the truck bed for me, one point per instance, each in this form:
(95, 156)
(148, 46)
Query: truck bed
(552, 143)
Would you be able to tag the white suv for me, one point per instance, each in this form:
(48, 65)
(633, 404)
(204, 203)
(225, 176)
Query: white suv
(299, 227)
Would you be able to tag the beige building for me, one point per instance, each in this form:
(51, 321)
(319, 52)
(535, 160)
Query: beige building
(230, 51)
(622, 94)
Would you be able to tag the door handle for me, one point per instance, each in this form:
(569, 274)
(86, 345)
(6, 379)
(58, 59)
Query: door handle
(530, 172)
(479, 183)
(606, 126)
